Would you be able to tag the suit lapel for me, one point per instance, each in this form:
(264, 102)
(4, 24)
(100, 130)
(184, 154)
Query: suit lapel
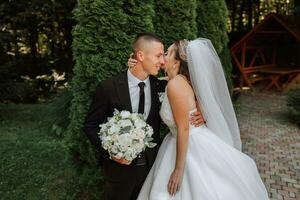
(123, 92)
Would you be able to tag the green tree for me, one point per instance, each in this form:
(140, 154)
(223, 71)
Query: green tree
(175, 20)
(140, 15)
(35, 30)
(35, 37)
(212, 24)
(244, 14)
(293, 103)
(99, 51)
(101, 44)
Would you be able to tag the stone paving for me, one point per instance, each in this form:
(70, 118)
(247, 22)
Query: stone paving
(272, 141)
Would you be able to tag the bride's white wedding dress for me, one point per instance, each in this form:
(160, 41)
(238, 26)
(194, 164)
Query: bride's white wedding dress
(213, 170)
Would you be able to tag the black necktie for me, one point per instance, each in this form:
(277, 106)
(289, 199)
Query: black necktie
(142, 98)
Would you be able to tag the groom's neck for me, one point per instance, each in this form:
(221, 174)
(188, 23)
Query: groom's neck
(139, 73)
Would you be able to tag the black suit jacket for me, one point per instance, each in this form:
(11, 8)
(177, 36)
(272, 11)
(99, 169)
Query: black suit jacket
(114, 94)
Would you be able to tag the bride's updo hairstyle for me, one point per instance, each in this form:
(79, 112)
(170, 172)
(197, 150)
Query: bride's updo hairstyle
(180, 55)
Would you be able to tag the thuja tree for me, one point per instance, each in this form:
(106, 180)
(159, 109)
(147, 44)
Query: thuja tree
(212, 19)
(175, 19)
(140, 16)
(101, 45)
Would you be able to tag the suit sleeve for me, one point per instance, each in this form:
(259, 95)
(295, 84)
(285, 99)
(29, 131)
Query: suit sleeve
(97, 115)
(162, 85)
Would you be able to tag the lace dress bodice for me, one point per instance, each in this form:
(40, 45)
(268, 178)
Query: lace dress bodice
(167, 115)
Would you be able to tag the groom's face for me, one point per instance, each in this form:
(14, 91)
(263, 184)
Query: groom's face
(153, 57)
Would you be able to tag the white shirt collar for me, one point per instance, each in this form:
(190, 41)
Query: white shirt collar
(134, 81)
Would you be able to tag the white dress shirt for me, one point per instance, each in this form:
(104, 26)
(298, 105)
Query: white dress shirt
(134, 91)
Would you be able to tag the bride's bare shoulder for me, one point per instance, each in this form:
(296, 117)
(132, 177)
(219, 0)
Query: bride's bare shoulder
(179, 84)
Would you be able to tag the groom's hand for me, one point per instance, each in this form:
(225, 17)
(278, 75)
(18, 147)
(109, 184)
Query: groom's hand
(122, 161)
(197, 119)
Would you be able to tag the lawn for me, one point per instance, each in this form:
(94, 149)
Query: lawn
(33, 161)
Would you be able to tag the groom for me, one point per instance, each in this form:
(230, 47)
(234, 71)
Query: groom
(136, 91)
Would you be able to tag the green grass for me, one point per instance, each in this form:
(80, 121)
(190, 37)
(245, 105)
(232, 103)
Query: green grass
(34, 162)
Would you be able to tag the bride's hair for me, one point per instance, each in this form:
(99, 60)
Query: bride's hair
(180, 55)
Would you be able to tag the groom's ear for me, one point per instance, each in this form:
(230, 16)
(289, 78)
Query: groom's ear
(140, 55)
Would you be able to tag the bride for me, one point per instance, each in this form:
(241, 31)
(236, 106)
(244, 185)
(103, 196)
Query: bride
(206, 162)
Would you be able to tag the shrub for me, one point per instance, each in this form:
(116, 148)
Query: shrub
(293, 103)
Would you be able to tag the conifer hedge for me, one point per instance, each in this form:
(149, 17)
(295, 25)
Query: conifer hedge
(101, 44)
(293, 103)
(175, 19)
(212, 19)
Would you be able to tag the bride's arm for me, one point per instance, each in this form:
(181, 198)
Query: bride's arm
(178, 92)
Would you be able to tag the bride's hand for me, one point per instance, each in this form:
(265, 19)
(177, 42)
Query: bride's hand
(175, 181)
(197, 119)
(131, 61)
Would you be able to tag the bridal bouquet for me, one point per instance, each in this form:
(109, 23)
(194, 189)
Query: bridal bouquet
(125, 135)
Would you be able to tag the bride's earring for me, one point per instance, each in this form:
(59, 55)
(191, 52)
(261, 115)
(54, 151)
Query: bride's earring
(174, 66)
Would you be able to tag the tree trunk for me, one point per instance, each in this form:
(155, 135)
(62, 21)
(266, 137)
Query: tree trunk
(15, 42)
(8, 46)
(240, 22)
(68, 47)
(233, 15)
(257, 12)
(250, 13)
(33, 37)
(296, 7)
(33, 41)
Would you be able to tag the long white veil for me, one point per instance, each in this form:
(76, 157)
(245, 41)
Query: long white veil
(209, 84)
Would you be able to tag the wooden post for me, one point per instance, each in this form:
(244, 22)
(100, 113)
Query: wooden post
(274, 55)
(292, 84)
(253, 59)
(244, 55)
(262, 56)
(241, 70)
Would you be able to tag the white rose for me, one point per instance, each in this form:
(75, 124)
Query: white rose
(139, 123)
(114, 137)
(133, 135)
(107, 138)
(114, 149)
(125, 114)
(112, 121)
(125, 123)
(103, 126)
(135, 116)
(115, 129)
(125, 139)
(105, 145)
(139, 134)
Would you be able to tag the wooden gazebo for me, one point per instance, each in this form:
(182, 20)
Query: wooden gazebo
(271, 52)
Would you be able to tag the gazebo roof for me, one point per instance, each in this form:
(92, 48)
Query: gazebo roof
(273, 24)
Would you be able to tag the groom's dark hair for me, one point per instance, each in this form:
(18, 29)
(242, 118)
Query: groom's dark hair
(146, 36)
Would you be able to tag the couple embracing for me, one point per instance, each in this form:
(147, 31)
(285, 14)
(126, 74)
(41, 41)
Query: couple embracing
(195, 160)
